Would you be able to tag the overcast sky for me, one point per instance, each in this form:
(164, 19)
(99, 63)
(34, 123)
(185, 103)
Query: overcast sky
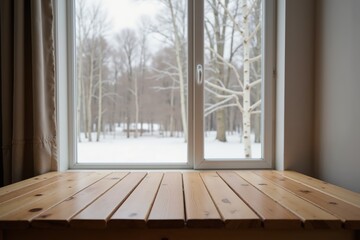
(127, 13)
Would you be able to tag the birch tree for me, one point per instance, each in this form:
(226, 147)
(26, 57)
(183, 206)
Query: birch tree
(173, 31)
(84, 21)
(144, 55)
(91, 27)
(102, 62)
(101, 28)
(239, 95)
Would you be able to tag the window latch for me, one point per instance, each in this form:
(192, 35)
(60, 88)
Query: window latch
(199, 71)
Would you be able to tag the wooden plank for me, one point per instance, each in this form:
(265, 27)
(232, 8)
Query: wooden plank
(135, 210)
(330, 189)
(98, 213)
(34, 184)
(199, 208)
(60, 215)
(29, 198)
(312, 216)
(234, 212)
(16, 186)
(22, 213)
(348, 213)
(273, 215)
(168, 208)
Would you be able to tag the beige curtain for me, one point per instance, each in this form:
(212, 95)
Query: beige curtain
(28, 117)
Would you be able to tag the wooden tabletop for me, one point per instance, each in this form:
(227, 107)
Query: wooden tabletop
(206, 199)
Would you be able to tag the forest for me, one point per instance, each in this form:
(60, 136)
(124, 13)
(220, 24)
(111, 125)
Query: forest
(134, 82)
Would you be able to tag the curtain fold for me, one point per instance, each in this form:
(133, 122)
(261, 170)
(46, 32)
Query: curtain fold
(28, 107)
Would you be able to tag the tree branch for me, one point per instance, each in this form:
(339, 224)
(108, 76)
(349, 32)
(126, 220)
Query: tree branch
(223, 89)
(229, 65)
(256, 58)
(255, 112)
(255, 83)
(255, 105)
(254, 32)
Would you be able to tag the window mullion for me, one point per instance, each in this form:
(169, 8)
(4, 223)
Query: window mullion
(198, 56)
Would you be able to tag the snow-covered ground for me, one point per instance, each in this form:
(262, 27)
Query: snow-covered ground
(157, 149)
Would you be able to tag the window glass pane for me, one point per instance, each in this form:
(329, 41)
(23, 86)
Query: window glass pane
(233, 79)
(131, 81)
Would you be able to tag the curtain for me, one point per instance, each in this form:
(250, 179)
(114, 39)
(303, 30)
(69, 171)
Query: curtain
(28, 106)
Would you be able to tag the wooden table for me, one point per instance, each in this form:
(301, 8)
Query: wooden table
(175, 205)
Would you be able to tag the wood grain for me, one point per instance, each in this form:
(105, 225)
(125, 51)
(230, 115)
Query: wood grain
(135, 210)
(27, 199)
(168, 208)
(312, 216)
(61, 214)
(27, 182)
(348, 213)
(105, 201)
(34, 184)
(22, 213)
(199, 207)
(273, 215)
(98, 213)
(234, 212)
(330, 189)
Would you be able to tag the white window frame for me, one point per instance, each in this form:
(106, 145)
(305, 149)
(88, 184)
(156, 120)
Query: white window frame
(65, 65)
(268, 86)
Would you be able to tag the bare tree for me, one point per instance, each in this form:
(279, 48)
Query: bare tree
(173, 31)
(84, 22)
(216, 30)
(240, 94)
(128, 43)
(102, 58)
(144, 56)
(92, 25)
(167, 78)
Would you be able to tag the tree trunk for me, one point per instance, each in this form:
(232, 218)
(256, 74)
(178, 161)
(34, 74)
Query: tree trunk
(257, 128)
(136, 98)
(114, 105)
(89, 100)
(83, 110)
(220, 31)
(220, 125)
(172, 110)
(246, 96)
(128, 126)
(99, 95)
(79, 92)
(180, 70)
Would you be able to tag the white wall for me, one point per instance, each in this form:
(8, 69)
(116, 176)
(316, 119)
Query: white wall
(295, 85)
(337, 92)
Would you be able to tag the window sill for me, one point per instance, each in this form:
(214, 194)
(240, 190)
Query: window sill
(257, 200)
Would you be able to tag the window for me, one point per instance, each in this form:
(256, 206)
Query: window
(169, 84)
